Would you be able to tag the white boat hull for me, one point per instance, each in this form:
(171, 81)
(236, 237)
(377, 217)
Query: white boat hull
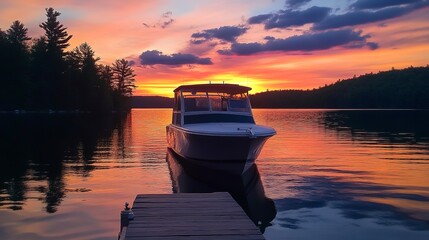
(216, 146)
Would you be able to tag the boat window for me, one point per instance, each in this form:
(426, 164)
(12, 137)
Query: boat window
(177, 102)
(218, 103)
(238, 103)
(196, 102)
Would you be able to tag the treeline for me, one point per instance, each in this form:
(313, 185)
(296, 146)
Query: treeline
(39, 74)
(152, 102)
(395, 89)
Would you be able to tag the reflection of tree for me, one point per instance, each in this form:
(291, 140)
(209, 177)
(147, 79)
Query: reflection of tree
(393, 126)
(122, 128)
(43, 148)
(16, 189)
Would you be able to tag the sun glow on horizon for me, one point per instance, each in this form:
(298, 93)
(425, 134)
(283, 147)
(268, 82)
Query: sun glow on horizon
(166, 89)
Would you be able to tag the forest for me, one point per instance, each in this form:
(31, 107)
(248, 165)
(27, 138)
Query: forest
(394, 89)
(39, 74)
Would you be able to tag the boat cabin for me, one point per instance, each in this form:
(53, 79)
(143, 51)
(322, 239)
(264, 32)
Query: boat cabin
(204, 103)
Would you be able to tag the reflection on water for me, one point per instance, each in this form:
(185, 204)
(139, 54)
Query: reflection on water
(331, 174)
(383, 126)
(246, 188)
(47, 147)
(342, 173)
(76, 170)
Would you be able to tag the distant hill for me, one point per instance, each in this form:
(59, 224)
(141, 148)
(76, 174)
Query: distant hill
(151, 102)
(400, 89)
(395, 89)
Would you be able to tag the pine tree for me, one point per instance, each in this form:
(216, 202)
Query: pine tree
(56, 41)
(123, 77)
(17, 34)
(38, 73)
(55, 33)
(17, 61)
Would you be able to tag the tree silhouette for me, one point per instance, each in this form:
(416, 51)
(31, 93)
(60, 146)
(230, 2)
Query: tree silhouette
(88, 80)
(17, 34)
(55, 33)
(123, 77)
(15, 64)
(42, 75)
(56, 41)
(38, 73)
(406, 88)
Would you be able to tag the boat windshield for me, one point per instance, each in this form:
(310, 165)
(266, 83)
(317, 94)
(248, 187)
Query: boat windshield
(218, 102)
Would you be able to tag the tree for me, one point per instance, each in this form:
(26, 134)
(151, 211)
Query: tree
(4, 64)
(38, 73)
(123, 77)
(88, 81)
(42, 75)
(15, 61)
(17, 34)
(56, 41)
(55, 33)
(106, 74)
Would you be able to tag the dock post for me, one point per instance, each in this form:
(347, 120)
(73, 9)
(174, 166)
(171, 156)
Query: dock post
(126, 215)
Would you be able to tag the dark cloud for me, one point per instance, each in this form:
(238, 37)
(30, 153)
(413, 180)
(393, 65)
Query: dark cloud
(375, 4)
(259, 18)
(289, 18)
(154, 57)
(225, 33)
(308, 42)
(244, 49)
(296, 3)
(363, 17)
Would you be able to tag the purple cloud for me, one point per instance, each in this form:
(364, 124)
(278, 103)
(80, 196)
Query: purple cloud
(225, 33)
(154, 57)
(259, 18)
(289, 18)
(347, 38)
(296, 3)
(372, 4)
(363, 16)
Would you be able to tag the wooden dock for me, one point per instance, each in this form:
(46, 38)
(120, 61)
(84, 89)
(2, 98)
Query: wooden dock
(189, 216)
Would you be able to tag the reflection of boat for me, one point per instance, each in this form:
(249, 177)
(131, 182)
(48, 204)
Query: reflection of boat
(214, 122)
(246, 189)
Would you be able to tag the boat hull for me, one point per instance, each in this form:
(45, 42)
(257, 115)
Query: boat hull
(214, 147)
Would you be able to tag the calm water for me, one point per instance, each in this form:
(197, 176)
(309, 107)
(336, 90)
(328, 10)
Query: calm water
(326, 174)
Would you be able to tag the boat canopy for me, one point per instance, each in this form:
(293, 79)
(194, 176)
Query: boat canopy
(219, 88)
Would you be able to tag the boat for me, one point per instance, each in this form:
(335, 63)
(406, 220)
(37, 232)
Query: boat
(214, 122)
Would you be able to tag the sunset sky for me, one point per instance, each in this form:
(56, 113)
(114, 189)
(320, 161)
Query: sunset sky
(265, 44)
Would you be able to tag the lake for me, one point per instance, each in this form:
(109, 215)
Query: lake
(327, 174)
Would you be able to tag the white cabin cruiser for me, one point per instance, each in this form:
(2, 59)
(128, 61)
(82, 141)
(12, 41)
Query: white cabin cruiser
(214, 122)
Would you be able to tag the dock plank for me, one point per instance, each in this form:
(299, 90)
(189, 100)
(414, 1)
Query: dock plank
(189, 216)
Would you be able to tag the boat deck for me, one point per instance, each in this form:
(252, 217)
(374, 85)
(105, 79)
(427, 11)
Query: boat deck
(189, 216)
